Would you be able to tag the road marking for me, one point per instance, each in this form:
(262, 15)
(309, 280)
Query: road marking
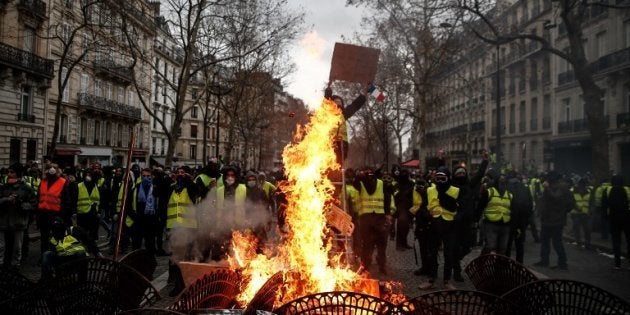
(160, 282)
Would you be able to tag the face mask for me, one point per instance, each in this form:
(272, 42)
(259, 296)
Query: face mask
(230, 180)
(251, 183)
(88, 179)
(146, 180)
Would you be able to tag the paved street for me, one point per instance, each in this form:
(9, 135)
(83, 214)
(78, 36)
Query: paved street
(590, 266)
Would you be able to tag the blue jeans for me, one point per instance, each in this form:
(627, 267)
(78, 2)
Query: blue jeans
(553, 235)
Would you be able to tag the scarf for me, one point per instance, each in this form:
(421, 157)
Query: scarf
(147, 198)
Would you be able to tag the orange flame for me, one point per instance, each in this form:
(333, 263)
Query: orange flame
(306, 249)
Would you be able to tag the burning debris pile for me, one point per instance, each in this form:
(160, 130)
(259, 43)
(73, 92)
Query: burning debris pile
(304, 254)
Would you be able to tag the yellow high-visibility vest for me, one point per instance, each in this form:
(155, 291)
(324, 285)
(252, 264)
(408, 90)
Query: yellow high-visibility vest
(180, 211)
(238, 213)
(434, 207)
(205, 179)
(581, 202)
(498, 207)
(372, 203)
(416, 201)
(69, 245)
(85, 200)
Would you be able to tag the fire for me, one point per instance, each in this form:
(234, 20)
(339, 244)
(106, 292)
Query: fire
(306, 249)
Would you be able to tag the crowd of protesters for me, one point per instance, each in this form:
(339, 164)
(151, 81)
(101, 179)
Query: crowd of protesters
(443, 208)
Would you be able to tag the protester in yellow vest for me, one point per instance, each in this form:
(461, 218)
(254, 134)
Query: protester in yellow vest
(88, 205)
(207, 178)
(375, 210)
(443, 205)
(497, 204)
(181, 221)
(580, 215)
(65, 245)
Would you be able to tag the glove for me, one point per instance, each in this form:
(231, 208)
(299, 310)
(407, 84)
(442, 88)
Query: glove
(328, 93)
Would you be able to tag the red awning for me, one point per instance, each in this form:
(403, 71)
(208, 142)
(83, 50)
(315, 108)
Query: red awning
(68, 151)
(411, 164)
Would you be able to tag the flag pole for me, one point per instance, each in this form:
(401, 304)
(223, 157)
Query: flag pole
(121, 216)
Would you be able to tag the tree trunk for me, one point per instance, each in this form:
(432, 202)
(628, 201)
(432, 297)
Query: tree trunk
(592, 95)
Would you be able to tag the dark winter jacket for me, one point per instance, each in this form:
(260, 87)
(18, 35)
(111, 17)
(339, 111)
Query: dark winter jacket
(14, 214)
(556, 202)
(522, 204)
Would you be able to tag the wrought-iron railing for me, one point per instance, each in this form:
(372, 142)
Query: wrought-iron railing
(35, 7)
(110, 66)
(26, 61)
(109, 106)
(26, 117)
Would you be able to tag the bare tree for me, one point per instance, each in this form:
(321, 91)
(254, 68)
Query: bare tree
(211, 33)
(412, 29)
(485, 21)
(75, 38)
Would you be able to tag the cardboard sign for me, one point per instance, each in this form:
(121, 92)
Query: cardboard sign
(353, 63)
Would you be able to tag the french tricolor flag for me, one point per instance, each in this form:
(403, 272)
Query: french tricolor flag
(378, 95)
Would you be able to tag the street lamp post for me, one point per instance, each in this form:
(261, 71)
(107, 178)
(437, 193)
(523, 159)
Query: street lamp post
(498, 109)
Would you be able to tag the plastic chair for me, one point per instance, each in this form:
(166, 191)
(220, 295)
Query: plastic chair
(497, 274)
(555, 296)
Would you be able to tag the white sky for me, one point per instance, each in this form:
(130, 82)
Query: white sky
(326, 22)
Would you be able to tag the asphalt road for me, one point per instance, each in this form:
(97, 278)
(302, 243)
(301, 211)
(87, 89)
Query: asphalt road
(590, 266)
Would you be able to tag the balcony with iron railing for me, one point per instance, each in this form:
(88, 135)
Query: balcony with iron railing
(26, 117)
(571, 126)
(25, 61)
(112, 70)
(105, 105)
(35, 8)
(175, 55)
(478, 126)
(615, 60)
(142, 18)
(623, 120)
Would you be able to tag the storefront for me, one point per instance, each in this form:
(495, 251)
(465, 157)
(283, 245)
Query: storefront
(572, 156)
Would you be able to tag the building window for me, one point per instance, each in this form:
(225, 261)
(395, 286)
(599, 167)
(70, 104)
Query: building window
(97, 87)
(31, 149)
(522, 119)
(130, 98)
(108, 133)
(63, 129)
(109, 91)
(600, 42)
(65, 96)
(193, 151)
(14, 151)
(626, 33)
(194, 93)
(97, 132)
(154, 146)
(533, 114)
(566, 102)
(119, 135)
(26, 102)
(83, 131)
(121, 94)
(193, 112)
(546, 112)
(85, 81)
(193, 131)
(28, 40)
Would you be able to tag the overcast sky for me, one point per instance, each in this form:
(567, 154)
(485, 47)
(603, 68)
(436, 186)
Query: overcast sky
(326, 21)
